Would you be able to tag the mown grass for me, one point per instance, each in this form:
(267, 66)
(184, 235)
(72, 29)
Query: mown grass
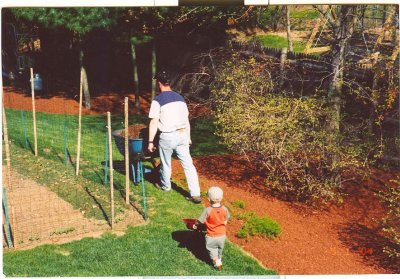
(161, 247)
(274, 41)
(305, 14)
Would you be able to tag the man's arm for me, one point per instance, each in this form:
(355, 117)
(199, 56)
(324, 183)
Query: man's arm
(153, 126)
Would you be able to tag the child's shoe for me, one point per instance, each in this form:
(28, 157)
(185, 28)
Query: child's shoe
(218, 264)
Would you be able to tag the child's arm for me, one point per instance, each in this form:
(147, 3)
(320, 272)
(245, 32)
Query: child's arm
(201, 219)
(228, 215)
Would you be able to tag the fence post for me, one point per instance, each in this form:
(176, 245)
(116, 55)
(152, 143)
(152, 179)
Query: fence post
(7, 147)
(24, 129)
(34, 113)
(111, 168)
(78, 152)
(65, 144)
(141, 178)
(126, 152)
(7, 219)
(106, 161)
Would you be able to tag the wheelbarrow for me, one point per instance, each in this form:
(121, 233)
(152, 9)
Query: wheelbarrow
(137, 152)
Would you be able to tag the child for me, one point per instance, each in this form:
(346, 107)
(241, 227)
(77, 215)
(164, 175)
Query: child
(215, 219)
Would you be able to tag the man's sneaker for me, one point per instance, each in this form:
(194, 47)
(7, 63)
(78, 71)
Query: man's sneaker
(158, 186)
(219, 267)
(194, 199)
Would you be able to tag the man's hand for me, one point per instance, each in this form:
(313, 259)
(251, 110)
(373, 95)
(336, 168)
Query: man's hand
(194, 226)
(190, 141)
(151, 147)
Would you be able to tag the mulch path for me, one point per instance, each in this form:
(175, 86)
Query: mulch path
(334, 239)
(331, 239)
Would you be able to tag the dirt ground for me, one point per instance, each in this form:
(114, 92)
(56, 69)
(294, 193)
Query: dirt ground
(335, 239)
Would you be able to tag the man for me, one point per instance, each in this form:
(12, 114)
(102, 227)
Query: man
(169, 114)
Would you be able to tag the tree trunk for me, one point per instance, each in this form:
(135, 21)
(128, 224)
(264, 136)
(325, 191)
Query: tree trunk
(343, 30)
(374, 95)
(342, 34)
(282, 68)
(153, 71)
(363, 9)
(86, 93)
(384, 11)
(275, 19)
(135, 76)
(289, 36)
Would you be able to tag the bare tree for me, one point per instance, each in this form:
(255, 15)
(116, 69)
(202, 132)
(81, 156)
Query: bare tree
(289, 36)
(341, 20)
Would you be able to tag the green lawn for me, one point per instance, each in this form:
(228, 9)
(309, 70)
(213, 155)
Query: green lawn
(275, 41)
(162, 247)
(304, 14)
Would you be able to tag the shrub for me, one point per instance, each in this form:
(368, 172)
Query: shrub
(255, 225)
(239, 204)
(283, 134)
(391, 222)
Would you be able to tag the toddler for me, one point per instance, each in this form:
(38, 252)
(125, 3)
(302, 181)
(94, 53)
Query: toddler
(215, 217)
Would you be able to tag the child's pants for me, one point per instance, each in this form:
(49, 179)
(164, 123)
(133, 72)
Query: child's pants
(215, 245)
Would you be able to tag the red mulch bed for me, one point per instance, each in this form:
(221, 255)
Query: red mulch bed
(333, 239)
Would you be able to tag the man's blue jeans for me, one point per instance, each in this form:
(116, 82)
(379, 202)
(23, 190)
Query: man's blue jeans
(177, 141)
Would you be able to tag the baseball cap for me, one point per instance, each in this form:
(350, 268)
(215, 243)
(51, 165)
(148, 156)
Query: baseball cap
(163, 76)
(215, 194)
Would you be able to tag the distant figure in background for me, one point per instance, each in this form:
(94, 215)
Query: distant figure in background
(215, 218)
(170, 115)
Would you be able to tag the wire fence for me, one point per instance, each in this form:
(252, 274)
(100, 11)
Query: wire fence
(46, 201)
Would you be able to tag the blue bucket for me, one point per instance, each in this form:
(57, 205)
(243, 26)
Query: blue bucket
(136, 146)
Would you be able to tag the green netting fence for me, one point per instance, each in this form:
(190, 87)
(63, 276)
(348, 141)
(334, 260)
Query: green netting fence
(54, 168)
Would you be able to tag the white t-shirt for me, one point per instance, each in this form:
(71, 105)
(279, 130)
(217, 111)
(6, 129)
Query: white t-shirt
(171, 111)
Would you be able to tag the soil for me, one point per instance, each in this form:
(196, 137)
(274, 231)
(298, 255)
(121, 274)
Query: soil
(134, 131)
(334, 239)
(341, 238)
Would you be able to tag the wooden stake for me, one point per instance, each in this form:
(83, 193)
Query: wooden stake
(7, 148)
(126, 152)
(111, 168)
(78, 152)
(34, 113)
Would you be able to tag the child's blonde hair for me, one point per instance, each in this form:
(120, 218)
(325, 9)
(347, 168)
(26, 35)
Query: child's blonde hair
(215, 194)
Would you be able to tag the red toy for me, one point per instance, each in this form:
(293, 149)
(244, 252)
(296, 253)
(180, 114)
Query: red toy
(190, 222)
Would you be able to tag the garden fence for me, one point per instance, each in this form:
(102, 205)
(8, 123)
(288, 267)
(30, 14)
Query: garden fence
(45, 200)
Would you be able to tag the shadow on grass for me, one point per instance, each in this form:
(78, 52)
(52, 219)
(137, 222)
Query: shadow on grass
(99, 205)
(369, 244)
(194, 242)
(119, 166)
(180, 190)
